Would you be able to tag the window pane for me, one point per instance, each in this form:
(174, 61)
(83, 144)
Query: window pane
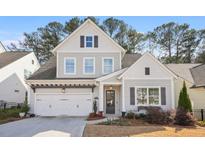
(89, 41)
(108, 62)
(89, 38)
(142, 96)
(89, 65)
(108, 65)
(70, 65)
(153, 96)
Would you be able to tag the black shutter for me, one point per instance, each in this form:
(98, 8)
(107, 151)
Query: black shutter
(163, 95)
(132, 96)
(96, 41)
(82, 41)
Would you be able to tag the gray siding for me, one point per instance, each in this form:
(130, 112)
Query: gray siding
(157, 83)
(79, 64)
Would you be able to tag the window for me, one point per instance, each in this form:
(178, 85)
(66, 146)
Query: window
(70, 65)
(32, 61)
(27, 74)
(108, 65)
(142, 96)
(89, 41)
(89, 65)
(148, 96)
(153, 96)
(147, 71)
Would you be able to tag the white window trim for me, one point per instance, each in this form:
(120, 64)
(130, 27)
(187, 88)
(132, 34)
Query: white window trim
(84, 58)
(113, 63)
(66, 58)
(147, 87)
(92, 41)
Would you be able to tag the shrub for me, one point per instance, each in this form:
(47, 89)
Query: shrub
(184, 118)
(130, 115)
(156, 115)
(25, 108)
(184, 100)
(7, 113)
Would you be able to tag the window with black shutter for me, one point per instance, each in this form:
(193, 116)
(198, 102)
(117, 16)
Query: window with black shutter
(82, 41)
(96, 41)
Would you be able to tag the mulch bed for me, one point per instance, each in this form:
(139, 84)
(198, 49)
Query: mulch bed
(138, 127)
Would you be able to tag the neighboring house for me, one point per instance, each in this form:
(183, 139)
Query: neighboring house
(15, 67)
(194, 77)
(89, 65)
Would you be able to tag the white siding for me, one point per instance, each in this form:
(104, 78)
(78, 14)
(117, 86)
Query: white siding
(12, 78)
(137, 70)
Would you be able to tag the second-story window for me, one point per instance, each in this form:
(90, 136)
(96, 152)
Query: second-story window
(108, 65)
(89, 41)
(70, 65)
(89, 65)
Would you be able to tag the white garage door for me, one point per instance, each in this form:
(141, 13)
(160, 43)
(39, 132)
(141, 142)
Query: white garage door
(63, 104)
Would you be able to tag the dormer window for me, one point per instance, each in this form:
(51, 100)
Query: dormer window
(89, 41)
(147, 71)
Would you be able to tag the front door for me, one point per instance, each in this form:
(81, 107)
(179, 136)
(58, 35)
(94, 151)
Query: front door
(110, 101)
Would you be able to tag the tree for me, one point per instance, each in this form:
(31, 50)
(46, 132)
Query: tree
(201, 53)
(110, 26)
(190, 43)
(184, 101)
(135, 41)
(72, 25)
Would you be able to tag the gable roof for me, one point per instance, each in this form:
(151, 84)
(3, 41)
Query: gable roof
(10, 57)
(83, 25)
(46, 71)
(130, 59)
(157, 61)
(182, 70)
(198, 74)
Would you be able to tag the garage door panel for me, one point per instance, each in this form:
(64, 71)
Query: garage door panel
(63, 104)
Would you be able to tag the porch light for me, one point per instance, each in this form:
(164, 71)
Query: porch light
(110, 87)
(63, 90)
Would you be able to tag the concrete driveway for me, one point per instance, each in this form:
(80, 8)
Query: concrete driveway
(47, 127)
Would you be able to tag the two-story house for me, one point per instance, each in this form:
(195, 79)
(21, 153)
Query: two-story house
(89, 65)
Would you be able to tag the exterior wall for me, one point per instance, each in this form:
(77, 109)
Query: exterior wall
(137, 70)
(73, 43)
(79, 64)
(151, 82)
(197, 95)
(12, 78)
(117, 99)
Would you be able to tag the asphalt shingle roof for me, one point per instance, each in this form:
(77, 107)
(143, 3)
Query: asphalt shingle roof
(46, 71)
(182, 70)
(198, 73)
(130, 59)
(9, 57)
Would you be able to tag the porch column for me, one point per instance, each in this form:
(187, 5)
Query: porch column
(101, 97)
(123, 96)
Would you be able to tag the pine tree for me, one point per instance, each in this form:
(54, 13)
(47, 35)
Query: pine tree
(184, 102)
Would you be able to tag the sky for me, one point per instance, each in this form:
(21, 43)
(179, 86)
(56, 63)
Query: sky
(12, 28)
